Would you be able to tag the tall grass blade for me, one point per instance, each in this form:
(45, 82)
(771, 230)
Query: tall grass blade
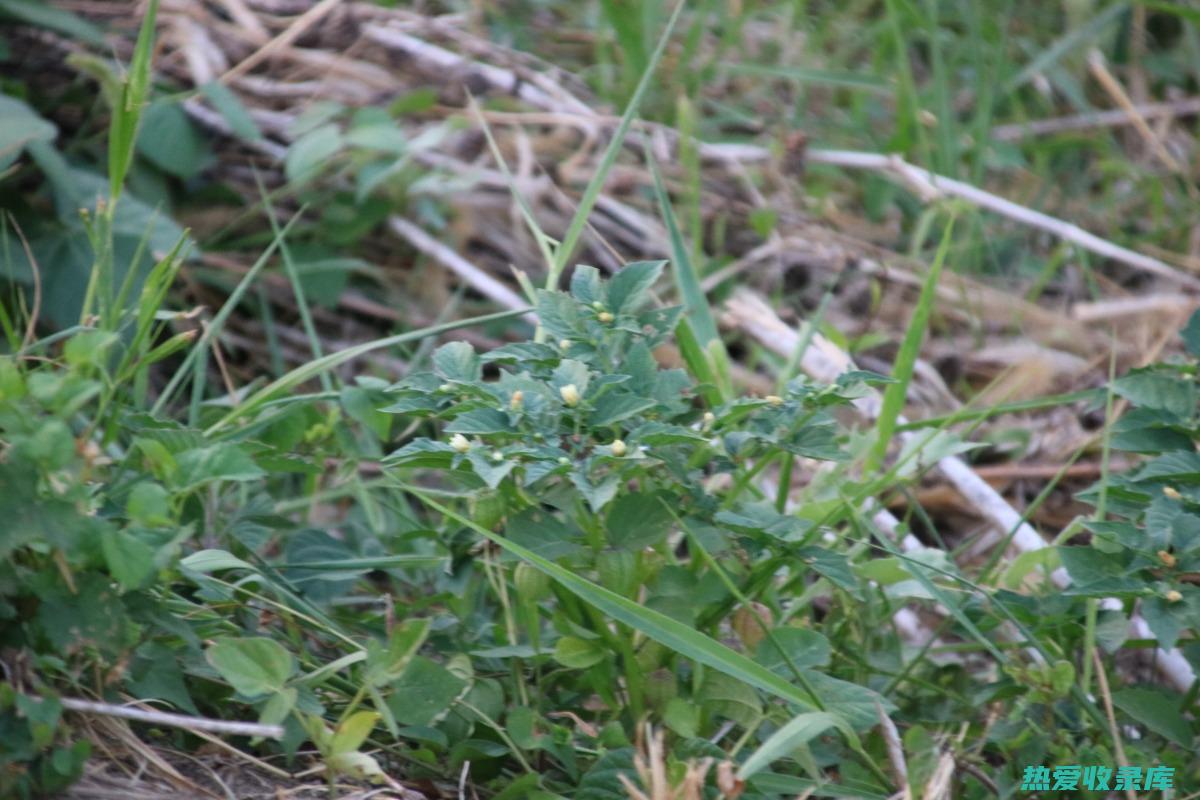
(125, 118)
(575, 229)
(896, 393)
(320, 365)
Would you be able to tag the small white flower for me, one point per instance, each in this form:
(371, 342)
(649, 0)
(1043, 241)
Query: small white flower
(570, 395)
(518, 398)
(709, 419)
(460, 443)
(564, 460)
(605, 317)
(829, 537)
(497, 455)
(774, 399)
(618, 448)
(564, 344)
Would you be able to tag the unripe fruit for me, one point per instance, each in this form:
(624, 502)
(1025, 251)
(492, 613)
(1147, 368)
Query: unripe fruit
(618, 571)
(532, 584)
(488, 510)
(1174, 596)
(618, 448)
(564, 344)
(460, 443)
(605, 317)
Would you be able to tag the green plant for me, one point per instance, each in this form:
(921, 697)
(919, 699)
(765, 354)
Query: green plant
(587, 461)
(1145, 541)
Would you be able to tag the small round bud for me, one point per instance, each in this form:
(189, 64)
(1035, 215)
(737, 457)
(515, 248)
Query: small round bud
(563, 460)
(564, 344)
(497, 455)
(605, 317)
(445, 387)
(460, 443)
(1172, 493)
(774, 399)
(596, 304)
(618, 448)
(570, 395)
(518, 398)
(1167, 559)
(709, 419)
(1174, 596)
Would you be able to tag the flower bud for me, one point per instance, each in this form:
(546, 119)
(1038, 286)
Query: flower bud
(618, 448)
(497, 455)
(1172, 493)
(605, 317)
(563, 460)
(774, 399)
(564, 344)
(460, 443)
(1174, 596)
(596, 304)
(446, 387)
(1167, 559)
(518, 399)
(709, 419)
(570, 395)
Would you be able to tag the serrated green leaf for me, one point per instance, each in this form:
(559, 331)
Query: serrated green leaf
(130, 560)
(628, 290)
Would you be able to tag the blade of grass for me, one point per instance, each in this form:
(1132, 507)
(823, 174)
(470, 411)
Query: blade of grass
(546, 244)
(1076, 38)
(317, 366)
(896, 393)
(687, 282)
(125, 118)
(590, 194)
(289, 266)
(218, 321)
